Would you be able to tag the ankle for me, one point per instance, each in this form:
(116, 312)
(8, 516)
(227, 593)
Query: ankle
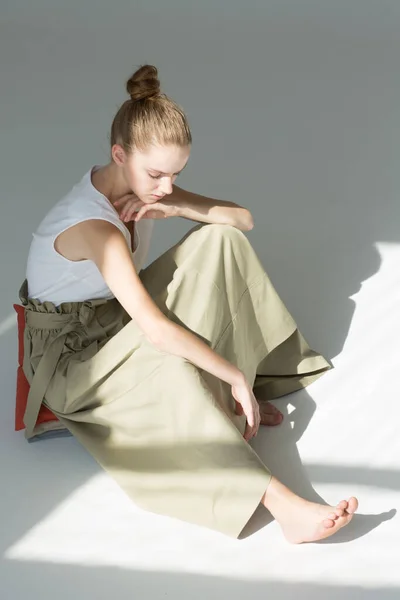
(278, 498)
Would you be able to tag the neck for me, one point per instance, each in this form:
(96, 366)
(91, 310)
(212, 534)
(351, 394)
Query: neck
(108, 181)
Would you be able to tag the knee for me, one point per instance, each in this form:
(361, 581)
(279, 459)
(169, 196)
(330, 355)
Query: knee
(224, 232)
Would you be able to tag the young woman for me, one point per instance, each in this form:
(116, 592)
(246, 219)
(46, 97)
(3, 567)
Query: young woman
(153, 370)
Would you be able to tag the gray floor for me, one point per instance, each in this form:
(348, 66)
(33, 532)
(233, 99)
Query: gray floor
(294, 107)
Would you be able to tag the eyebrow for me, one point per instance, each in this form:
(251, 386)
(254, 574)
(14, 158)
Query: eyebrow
(161, 173)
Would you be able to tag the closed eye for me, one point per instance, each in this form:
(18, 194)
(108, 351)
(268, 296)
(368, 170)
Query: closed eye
(159, 176)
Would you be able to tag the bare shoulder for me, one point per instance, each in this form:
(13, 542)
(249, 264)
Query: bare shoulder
(80, 241)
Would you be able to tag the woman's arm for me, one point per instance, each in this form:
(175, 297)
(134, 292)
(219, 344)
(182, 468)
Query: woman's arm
(105, 245)
(209, 210)
(181, 203)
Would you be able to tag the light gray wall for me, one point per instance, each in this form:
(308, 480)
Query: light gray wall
(294, 107)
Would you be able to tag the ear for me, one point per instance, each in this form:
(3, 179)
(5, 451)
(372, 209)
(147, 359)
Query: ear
(118, 154)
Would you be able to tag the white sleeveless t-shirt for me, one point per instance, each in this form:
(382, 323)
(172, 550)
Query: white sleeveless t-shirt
(52, 277)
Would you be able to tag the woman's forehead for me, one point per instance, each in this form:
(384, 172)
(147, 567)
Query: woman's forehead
(165, 159)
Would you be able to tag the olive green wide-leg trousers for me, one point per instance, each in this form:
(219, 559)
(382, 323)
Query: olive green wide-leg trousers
(165, 430)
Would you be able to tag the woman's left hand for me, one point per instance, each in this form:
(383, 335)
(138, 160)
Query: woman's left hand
(130, 208)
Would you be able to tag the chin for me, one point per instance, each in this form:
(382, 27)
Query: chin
(145, 198)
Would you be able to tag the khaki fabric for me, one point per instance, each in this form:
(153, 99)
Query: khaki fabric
(164, 429)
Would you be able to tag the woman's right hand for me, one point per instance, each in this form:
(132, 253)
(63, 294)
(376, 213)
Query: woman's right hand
(247, 404)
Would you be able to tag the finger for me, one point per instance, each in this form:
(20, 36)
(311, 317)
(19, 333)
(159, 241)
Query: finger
(238, 408)
(129, 211)
(122, 205)
(257, 421)
(141, 213)
(256, 426)
(126, 215)
(251, 429)
(248, 433)
(251, 419)
(128, 205)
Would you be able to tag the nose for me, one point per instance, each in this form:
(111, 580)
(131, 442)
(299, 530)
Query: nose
(166, 186)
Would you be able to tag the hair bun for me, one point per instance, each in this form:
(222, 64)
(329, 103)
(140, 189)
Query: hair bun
(144, 83)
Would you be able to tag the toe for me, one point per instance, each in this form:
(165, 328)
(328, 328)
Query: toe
(269, 408)
(269, 414)
(342, 505)
(271, 420)
(352, 505)
(339, 512)
(328, 523)
(343, 521)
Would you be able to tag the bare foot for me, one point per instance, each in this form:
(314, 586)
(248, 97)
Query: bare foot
(270, 415)
(316, 522)
(304, 521)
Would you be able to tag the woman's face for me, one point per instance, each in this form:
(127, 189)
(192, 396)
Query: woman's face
(150, 174)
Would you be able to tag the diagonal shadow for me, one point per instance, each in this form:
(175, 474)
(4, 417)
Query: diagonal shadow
(44, 581)
(56, 467)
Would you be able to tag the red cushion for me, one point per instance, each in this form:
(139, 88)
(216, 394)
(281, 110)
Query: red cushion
(22, 391)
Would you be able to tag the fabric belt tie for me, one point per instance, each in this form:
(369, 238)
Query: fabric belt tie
(48, 363)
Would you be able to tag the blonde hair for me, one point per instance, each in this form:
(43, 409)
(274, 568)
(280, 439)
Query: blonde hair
(148, 117)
